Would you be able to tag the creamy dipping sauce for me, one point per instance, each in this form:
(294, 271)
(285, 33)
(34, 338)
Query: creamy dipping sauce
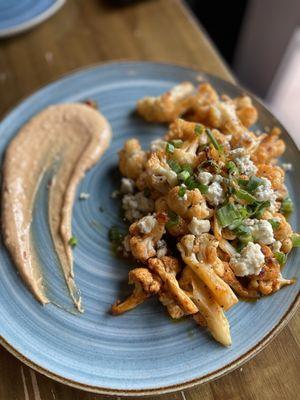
(72, 136)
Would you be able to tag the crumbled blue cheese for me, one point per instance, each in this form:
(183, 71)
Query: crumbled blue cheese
(218, 178)
(146, 224)
(287, 166)
(136, 206)
(243, 162)
(246, 166)
(265, 192)
(204, 177)
(84, 196)
(158, 144)
(215, 194)
(161, 248)
(199, 226)
(261, 230)
(249, 261)
(127, 185)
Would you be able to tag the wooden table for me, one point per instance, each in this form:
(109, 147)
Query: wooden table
(86, 32)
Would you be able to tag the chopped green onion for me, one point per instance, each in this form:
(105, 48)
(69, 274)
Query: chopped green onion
(203, 188)
(231, 167)
(177, 143)
(244, 195)
(275, 224)
(228, 214)
(199, 129)
(187, 167)
(115, 236)
(181, 191)
(287, 206)
(174, 166)
(244, 233)
(280, 257)
(73, 241)
(240, 246)
(295, 239)
(183, 176)
(173, 219)
(169, 148)
(253, 183)
(243, 182)
(259, 209)
(211, 137)
(191, 184)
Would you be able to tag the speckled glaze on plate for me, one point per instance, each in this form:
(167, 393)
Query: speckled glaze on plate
(17, 16)
(140, 352)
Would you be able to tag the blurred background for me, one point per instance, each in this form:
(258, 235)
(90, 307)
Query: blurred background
(260, 40)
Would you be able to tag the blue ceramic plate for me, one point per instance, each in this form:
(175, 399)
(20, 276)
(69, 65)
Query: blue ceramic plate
(142, 351)
(19, 15)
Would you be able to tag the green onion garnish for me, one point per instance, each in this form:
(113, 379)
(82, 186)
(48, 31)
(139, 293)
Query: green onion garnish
(253, 183)
(259, 209)
(169, 148)
(295, 239)
(228, 214)
(73, 241)
(115, 236)
(280, 257)
(275, 223)
(287, 206)
(174, 166)
(243, 233)
(213, 139)
(231, 167)
(191, 184)
(183, 176)
(177, 143)
(181, 191)
(173, 219)
(199, 129)
(244, 195)
(187, 167)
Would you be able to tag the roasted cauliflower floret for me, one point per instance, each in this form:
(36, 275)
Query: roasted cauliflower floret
(201, 258)
(192, 204)
(235, 284)
(144, 235)
(132, 159)
(210, 311)
(284, 229)
(146, 284)
(270, 148)
(245, 110)
(204, 98)
(173, 309)
(167, 268)
(160, 176)
(275, 175)
(168, 106)
(181, 129)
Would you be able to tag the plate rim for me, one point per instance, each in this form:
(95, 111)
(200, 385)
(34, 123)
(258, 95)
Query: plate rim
(31, 23)
(250, 353)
